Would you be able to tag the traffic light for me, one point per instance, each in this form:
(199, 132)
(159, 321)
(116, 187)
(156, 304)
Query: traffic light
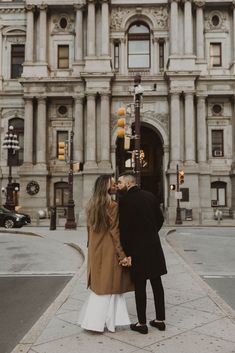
(61, 151)
(172, 186)
(121, 122)
(181, 176)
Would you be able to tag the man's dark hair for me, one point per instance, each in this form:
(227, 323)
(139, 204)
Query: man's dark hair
(129, 175)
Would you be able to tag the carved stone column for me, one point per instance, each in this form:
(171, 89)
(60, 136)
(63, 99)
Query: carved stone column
(28, 131)
(189, 128)
(43, 33)
(122, 57)
(41, 131)
(105, 27)
(91, 132)
(91, 28)
(188, 28)
(78, 129)
(174, 26)
(155, 63)
(1, 57)
(201, 130)
(199, 29)
(29, 44)
(175, 127)
(79, 32)
(105, 131)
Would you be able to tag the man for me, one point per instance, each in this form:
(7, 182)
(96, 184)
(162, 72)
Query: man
(140, 219)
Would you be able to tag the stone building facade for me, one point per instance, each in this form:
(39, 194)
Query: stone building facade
(69, 65)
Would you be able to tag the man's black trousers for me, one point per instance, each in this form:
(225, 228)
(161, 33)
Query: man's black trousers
(141, 299)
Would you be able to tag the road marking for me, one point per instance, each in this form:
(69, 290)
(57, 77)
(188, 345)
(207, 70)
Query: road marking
(36, 274)
(218, 276)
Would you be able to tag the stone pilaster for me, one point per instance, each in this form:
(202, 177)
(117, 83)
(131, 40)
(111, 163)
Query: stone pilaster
(174, 27)
(189, 129)
(28, 132)
(175, 128)
(199, 30)
(29, 44)
(79, 33)
(43, 33)
(90, 145)
(41, 131)
(188, 28)
(201, 130)
(1, 58)
(105, 28)
(91, 21)
(78, 129)
(122, 65)
(105, 131)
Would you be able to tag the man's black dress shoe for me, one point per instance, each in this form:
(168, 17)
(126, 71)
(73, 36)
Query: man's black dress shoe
(160, 325)
(139, 328)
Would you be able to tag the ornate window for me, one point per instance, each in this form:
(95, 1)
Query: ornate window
(218, 193)
(138, 46)
(215, 54)
(17, 59)
(217, 139)
(63, 56)
(18, 157)
(161, 54)
(116, 56)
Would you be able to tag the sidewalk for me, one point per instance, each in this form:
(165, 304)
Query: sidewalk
(197, 319)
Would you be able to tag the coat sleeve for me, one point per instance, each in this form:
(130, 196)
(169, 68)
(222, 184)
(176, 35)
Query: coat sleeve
(159, 216)
(114, 231)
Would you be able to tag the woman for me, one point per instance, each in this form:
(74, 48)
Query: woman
(108, 277)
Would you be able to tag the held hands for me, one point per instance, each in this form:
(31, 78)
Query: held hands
(125, 262)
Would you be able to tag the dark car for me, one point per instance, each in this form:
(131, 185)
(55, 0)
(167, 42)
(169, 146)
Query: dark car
(11, 219)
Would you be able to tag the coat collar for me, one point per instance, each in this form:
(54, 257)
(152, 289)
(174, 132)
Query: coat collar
(133, 189)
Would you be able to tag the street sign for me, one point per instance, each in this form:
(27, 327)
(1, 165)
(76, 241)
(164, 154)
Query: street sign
(178, 195)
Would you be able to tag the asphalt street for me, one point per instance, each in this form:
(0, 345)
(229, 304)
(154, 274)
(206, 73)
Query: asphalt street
(33, 271)
(210, 252)
(23, 301)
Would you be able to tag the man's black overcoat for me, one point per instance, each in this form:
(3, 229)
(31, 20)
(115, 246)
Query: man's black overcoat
(140, 219)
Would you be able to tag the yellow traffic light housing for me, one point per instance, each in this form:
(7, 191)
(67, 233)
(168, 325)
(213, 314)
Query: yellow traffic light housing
(181, 176)
(61, 151)
(121, 122)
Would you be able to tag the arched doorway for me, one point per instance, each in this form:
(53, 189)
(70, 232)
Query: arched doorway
(152, 160)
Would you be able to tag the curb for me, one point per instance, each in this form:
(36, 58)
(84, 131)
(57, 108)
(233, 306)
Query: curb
(212, 294)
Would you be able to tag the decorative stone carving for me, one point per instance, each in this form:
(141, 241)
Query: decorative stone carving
(199, 3)
(57, 27)
(14, 10)
(214, 109)
(216, 21)
(163, 119)
(159, 15)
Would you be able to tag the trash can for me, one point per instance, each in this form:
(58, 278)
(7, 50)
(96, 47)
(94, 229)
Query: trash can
(53, 218)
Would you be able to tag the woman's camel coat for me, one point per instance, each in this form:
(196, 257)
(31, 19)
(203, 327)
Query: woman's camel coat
(105, 275)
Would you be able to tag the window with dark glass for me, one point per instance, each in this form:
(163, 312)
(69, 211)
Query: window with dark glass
(61, 196)
(215, 54)
(218, 193)
(116, 56)
(63, 56)
(161, 54)
(217, 138)
(18, 157)
(138, 46)
(17, 59)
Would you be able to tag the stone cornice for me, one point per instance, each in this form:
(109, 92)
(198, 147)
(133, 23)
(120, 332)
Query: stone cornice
(12, 10)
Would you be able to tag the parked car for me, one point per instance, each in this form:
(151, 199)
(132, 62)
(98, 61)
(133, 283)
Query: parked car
(11, 219)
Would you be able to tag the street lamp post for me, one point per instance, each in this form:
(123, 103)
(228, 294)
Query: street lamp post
(70, 221)
(138, 91)
(11, 144)
(178, 219)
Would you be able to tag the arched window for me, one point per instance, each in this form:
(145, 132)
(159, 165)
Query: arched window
(138, 46)
(218, 193)
(18, 157)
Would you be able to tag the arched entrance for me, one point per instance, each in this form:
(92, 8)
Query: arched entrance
(152, 160)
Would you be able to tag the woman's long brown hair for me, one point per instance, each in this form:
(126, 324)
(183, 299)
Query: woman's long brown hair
(97, 209)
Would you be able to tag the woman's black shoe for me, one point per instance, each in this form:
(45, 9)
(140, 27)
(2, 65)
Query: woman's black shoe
(160, 325)
(139, 328)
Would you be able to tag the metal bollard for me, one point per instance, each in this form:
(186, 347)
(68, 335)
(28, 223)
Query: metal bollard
(53, 218)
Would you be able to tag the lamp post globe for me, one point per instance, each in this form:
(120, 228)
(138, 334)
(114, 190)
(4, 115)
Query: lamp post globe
(11, 144)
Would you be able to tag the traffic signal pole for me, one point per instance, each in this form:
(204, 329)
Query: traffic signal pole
(137, 81)
(178, 219)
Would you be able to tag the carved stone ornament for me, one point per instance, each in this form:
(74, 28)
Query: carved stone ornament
(158, 14)
(57, 26)
(14, 10)
(199, 3)
(32, 187)
(163, 119)
(220, 25)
